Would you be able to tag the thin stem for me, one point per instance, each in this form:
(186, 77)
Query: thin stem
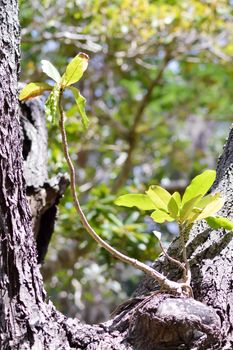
(187, 271)
(160, 278)
(174, 261)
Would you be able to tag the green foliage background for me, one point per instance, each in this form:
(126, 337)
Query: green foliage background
(159, 90)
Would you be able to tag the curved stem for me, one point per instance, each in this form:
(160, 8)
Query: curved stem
(187, 271)
(160, 278)
(174, 261)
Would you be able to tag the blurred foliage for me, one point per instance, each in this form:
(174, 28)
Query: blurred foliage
(159, 88)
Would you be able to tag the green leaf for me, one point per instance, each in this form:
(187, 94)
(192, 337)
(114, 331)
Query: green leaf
(177, 198)
(206, 200)
(199, 185)
(174, 204)
(51, 105)
(141, 201)
(217, 222)
(200, 206)
(159, 196)
(33, 90)
(49, 69)
(194, 214)
(160, 216)
(211, 208)
(81, 103)
(75, 69)
(187, 208)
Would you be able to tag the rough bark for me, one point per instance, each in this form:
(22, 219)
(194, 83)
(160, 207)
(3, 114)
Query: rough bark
(152, 319)
(43, 193)
(22, 297)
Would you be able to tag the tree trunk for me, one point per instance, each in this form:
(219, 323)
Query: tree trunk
(43, 194)
(152, 319)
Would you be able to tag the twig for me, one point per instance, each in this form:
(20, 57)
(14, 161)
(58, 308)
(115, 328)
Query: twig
(174, 261)
(160, 278)
(187, 271)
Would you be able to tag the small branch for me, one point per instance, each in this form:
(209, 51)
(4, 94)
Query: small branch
(174, 261)
(160, 278)
(187, 271)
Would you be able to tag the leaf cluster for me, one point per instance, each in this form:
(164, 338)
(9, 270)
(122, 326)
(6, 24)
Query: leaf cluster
(192, 207)
(73, 73)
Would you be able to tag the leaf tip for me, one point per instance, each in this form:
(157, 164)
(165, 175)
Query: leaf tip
(84, 55)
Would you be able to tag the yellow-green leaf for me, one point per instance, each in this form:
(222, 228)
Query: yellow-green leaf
(159, 196)
(141, 201)
(206, 200)
(177, 198)
(217, 222)
(51, 105)
(173, 207)
(49, 69)
(33, 90)
(199, 185)
(200, 205)
(81, 103)
(75, 69)
(187, 208)
(211, 209)
(160, 216)
(194, 214)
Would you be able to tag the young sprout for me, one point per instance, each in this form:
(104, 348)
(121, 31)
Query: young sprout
(193, 206)
(73, 73)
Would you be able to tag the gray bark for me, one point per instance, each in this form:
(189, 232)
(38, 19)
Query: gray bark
(43, 194)
(152, 319)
